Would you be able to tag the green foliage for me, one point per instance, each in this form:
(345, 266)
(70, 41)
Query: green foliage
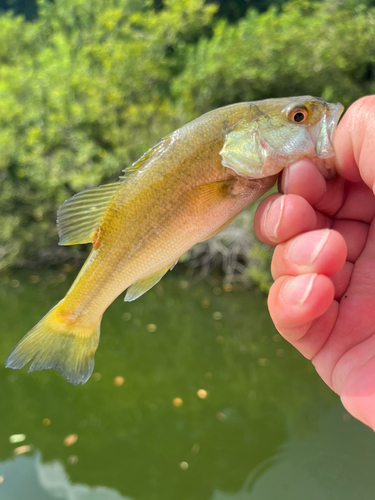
(90, 85)
(258, 269)
(230, 9)
(318, 48)
(84, 91)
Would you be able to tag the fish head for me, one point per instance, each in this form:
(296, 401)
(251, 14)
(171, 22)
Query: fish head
(279, 132)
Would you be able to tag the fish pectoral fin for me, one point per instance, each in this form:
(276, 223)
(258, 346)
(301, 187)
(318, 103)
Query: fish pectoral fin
(80, 216)
(142, 286)
(212, 193)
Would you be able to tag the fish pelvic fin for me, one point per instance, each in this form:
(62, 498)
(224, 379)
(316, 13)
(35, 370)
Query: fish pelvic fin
(142, 286)
(59, 343)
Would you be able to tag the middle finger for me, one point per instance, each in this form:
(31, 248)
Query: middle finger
(323, 251)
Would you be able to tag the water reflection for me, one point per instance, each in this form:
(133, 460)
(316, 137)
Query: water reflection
(28, 477)
(335, 462)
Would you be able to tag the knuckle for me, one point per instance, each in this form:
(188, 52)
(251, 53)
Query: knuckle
(362, 107)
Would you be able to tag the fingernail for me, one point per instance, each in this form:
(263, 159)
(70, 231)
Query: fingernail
(273, 217)
(296, 290)
(304, 249)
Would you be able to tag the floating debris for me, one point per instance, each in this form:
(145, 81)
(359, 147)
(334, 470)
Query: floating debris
(34, 278)
(219, 339)
(202, 394)
(228, 287)
(96, 376)
(280, 353)
(208, 376)
(217, 290)
(195, 449)
(126, 316)
(60, 278)
(14, 283)
(151, 327)
(17, 438)
(68, 268)
(205, 304)
(70, 440)
(177, 402)
(73, 459)
(184, 465)
(118, 381)
(263, 362)
(46, 422)
(221, 416)
(276, 337)
(184, 284)
(217, 316)
(1, 479)
(22, 449)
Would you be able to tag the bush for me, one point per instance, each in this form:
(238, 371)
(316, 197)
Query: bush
(310, 48)
(84, 91)
(90, 85)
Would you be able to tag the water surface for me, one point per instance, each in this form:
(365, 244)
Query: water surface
(262, 426)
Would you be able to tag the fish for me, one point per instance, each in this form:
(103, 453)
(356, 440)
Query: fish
(182, 191)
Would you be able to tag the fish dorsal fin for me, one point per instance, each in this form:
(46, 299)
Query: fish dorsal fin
(142, 286)
(156, 150)
(80, 216)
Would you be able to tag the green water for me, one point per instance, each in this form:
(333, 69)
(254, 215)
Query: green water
(268, 428)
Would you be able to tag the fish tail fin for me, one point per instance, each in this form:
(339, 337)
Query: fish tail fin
(60, 343)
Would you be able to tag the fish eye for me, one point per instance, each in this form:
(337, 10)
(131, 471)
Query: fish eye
(298, 115)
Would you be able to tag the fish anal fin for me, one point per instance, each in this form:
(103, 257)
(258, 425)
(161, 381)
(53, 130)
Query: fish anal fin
(79, 218)
(142, 286)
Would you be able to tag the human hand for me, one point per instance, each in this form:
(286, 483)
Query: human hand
(323, 297)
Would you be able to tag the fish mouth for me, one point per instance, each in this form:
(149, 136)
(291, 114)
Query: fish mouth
(322, 133)
(333, 115)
